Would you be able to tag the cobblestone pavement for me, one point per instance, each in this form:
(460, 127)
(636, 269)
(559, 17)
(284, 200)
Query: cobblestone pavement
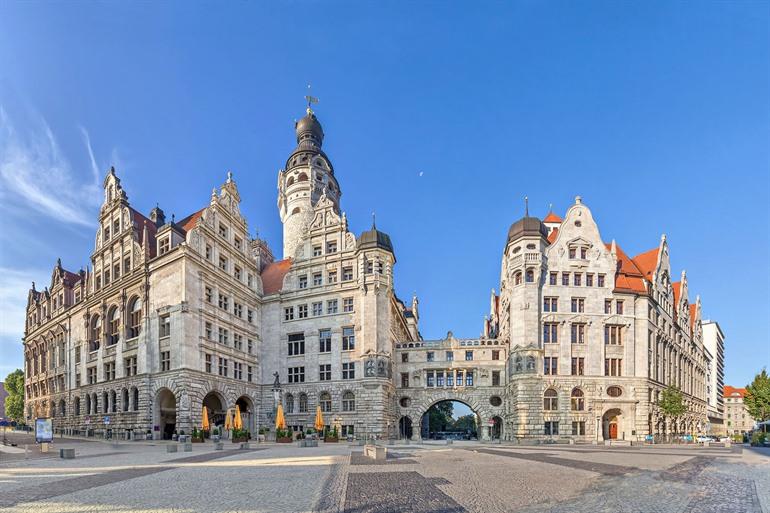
(337, 478)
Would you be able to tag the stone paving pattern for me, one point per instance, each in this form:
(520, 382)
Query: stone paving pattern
(467, 476)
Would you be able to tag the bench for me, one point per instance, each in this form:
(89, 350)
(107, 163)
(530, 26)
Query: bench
(172, 448)
(375, 452)
(67, 454)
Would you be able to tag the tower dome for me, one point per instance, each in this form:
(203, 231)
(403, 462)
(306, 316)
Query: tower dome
(310, 136)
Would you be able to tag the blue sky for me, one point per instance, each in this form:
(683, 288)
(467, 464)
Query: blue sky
(439, 116)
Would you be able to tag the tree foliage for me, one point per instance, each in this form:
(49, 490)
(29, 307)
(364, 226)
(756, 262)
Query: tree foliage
(440, 416)
(671, 403)
(757, 398)
(14, 403)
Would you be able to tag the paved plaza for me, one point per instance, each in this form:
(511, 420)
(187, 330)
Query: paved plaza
(430, 477)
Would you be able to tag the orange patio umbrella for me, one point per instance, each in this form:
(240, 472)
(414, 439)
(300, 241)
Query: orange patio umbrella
(205, 422)
(280, 421)
(229, 419)
(319, 419)
(237, 420)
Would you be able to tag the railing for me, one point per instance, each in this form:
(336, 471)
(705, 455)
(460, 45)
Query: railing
(131, 343)
(93, 356)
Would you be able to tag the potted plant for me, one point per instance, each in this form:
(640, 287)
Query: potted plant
(197, 436)
(262, 434)
(331, 436)
(215, 435)
(283, 436)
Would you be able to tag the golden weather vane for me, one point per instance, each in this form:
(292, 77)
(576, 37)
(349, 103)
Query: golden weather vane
(310, 100)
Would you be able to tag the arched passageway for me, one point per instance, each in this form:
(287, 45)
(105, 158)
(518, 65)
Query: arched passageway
(611, 424)
(217, 409)
(165, 413)
(405, 427)
(496, 428)
(450, 419)
(248, 415)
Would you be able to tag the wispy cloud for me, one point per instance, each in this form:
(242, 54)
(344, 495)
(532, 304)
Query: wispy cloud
(14, 285)
(35, 174)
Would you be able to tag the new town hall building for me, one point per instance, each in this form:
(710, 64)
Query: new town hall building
(174, 315)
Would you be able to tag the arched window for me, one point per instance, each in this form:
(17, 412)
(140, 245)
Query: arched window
(302, 177)
(95, 330)
(614, 391)
(325, 400)
(134, 317)
(124, 399)
(348, 401)
(517, 278)
(77, 406)
(113, 402)
(88, 404)
(112, 326)
(530, 276)
(62, 408)
(577, 400)
(94, 404)
(296, 210)
(302, 403)
(550, 400)
(135, 399)
(105, 403)
(289, 403)
(290, 181)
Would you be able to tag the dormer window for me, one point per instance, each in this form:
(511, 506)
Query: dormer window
(578, 250)
(223, 231)
(164, 246)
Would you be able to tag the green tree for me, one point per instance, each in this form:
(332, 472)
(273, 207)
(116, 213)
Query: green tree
(757, 398)
(14, 403)
(440, 416)
(671, 403)
(465, 423)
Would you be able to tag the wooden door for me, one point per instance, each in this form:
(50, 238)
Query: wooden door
(613, 430)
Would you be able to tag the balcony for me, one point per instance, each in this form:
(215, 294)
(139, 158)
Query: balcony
(93, 356)
(130, 344)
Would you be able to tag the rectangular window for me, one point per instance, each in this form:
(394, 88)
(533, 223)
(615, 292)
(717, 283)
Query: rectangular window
(165, 360)
(324, 341)
(349, 338)
(439, 378)
(589, 280)
(613, 335)
(316, 251)
(331, 246)
(129, 366)
(223, 366)
(349, 370)
(165, 246)
(565, 279)
(404, 380)
(249, 315)
(318, 309)
(208, 363)
(331, 306)
(450, 356)
(126, 265)
(468, 355)
(237, 370)
(612, 366)
(495, 354)
(317, 279)
(347, 304)
(296, 344)
(600, 281)
(551, 427)
(250, 346)
(550, 364)
(578, 333)
(296, 374)
(347, 273)
(325, 372)
(468, 378)
(331, 277)
(238, 310)
(578, 427)
(578, 364)
(209, 253)
(116, 271)
(109, 371)
(578, 304)
(430, 356)
(302, 312)
(552, 277)
(550, 333)
(302, 281)
(288, 313)
(550, 304)
(237, 242)
(578, 278)
(209, 295)
(250, 376)
(404, 357)
(91, 375)
(608, 306)
(495, 378)
(224, 302)
(164, 326)
(223, 231)
(237, 272)
(619, 307)
(450, 379)
(224, 336)
(223, 263)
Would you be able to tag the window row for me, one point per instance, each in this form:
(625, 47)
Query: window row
(331, 278)
(111, 330)
(613, 334)
(449, 356)
(111, 402)
(224, 263)
(291, 313)
(347, 403)
(223, 302)
(222, 366)
(296, 342)
(222, 336)
(297, 374)
(448, 378)
(612, 366)
(577, 279)
(110, 273)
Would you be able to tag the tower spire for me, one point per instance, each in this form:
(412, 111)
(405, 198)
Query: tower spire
(526, 206)
(310, 100)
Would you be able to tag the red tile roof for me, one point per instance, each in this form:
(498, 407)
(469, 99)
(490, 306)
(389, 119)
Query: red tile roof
(647, 262)
(628, 277)
(734, 392)
(273, 274)
(140, 221)
(552, 218)
(693, 309)
(552, 236)
(677, 285)
(189, 222)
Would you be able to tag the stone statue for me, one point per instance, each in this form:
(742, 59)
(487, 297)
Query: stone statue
(369, 368)
(277, 382)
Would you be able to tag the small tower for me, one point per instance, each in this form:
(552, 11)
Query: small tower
(307, 176)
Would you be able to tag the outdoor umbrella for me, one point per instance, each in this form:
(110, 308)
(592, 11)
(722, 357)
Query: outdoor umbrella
(205, 423)
(229, 420)
(237, 421)
(319, 419)
(280, 422)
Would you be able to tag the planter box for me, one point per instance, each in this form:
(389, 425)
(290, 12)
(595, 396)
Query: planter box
(332, 439)
(260, 438)
(284, 440)
(218, 446)
(240, 439)
(307, 443)
(67, 454)
(196, 440)
(171, 448)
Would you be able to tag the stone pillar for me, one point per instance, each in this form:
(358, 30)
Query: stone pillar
(485, 433)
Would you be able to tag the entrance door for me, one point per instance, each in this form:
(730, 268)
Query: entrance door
(613, 430)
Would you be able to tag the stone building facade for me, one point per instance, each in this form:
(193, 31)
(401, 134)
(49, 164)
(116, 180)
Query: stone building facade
(737, 418)
(174, 315)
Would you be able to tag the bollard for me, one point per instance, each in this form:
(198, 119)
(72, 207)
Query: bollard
(172, 448)
(244, 445)
(67, 454)
(187, 446)
(26, 451)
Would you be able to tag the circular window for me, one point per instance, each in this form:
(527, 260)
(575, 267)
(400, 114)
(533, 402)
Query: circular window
(405, 402)
(578, 224)
(531, 246)
(516, 249)
(614, 392)
(495, 400)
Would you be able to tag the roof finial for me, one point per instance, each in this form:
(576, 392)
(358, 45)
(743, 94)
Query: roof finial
(526, 206)
(550, 207)
(229, 177)
(374, 224)
(310, 100)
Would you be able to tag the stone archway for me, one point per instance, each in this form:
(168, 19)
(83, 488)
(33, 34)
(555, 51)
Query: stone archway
(476, 400)
(475, 430)
(248, 414)
(216, 405)
(496, 428)
(612, 424)
(164, 413)
(405, 428)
